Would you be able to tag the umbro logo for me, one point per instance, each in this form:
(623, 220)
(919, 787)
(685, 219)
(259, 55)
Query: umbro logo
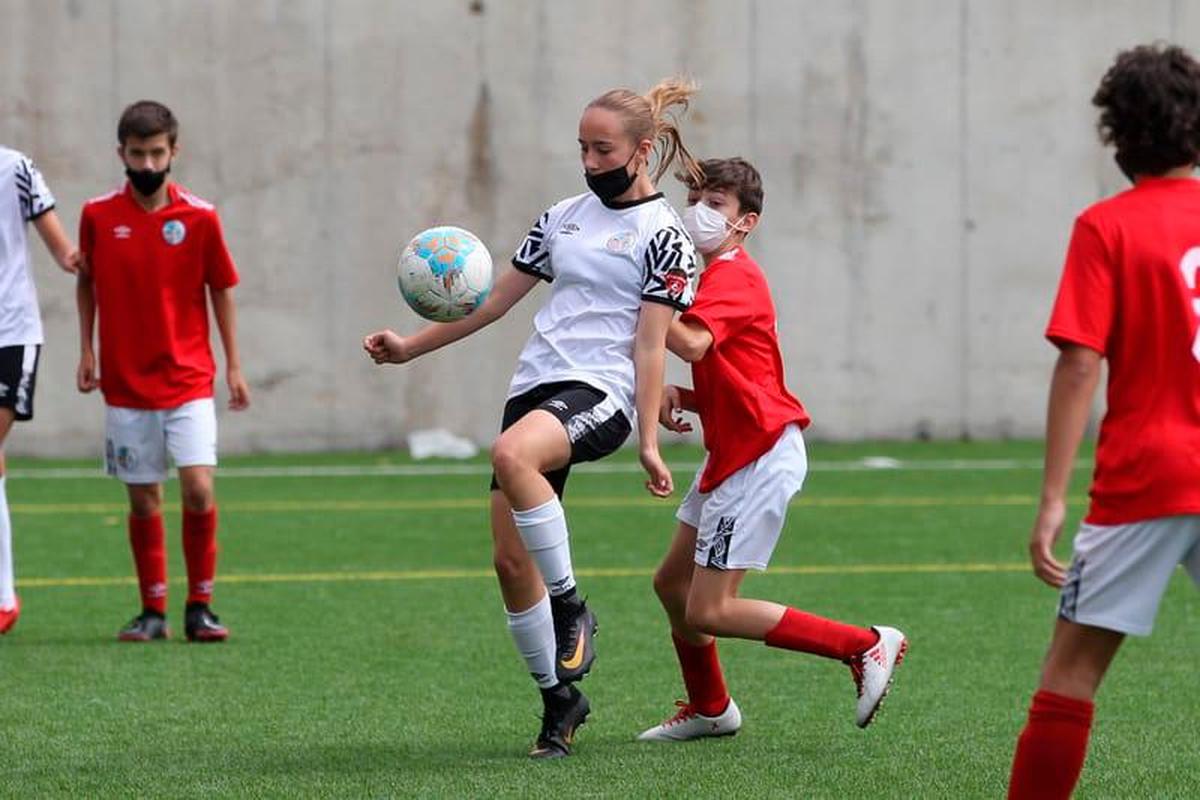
(4, 389)
(568, 229)
(557, 405)
(122, 232)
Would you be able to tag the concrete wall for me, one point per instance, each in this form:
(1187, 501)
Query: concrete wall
(923, 161)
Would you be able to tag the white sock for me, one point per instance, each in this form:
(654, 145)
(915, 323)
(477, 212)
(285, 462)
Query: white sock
(533, 632)
(544, 531)
(8, 597)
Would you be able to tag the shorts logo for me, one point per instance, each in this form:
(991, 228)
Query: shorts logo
(126, 458)
(1068, 600)
(718, 551)
(122, 232)
(4, 387)
(173, 231)
(579, 425)
(619, 242)
(557, 405)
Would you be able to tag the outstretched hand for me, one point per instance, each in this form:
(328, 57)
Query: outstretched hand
(388, 347)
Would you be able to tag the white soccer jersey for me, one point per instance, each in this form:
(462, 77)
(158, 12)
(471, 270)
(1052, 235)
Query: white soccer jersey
(602, 262)
(23, 198)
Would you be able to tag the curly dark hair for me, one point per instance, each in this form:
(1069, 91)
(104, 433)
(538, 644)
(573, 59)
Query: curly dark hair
(1149, 103)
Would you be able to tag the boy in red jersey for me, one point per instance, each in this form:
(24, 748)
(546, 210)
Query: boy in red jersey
(153, 250)
(734, 512)
(1130, 294)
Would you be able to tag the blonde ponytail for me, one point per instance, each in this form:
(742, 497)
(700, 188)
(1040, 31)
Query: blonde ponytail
(649, 116)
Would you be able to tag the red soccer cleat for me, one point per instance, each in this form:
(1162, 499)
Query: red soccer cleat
(8, 617)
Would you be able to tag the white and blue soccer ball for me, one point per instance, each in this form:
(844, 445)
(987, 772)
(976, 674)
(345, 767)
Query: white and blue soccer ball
(445, 273)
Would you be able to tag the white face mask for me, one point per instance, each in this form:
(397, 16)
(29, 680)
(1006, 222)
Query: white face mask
(708, 227)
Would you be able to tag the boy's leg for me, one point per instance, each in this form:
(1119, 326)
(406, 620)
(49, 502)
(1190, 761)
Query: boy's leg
(147, 542)
(191, 435)
(1117, 579)
(135, 452)
(1052, 747)
(709, 710)
(521, 515)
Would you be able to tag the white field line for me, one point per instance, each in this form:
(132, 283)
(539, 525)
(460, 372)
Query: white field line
(443, 469)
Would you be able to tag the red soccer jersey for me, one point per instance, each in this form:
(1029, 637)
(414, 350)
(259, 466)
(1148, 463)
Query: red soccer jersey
(149, 272)
(1129, 291)
(740, 394)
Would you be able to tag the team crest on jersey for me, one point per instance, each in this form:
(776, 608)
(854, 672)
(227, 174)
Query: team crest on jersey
(619, 242)
(173, 231)
(676, 280)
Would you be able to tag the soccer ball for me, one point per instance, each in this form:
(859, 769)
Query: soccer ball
(445, 273)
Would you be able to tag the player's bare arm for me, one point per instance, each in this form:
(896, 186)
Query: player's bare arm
(689, 340)
(1076, 374)
(65, 253)
(388, 347)
(675, 401)
(649, 358)
(226, 314)
(87, 379)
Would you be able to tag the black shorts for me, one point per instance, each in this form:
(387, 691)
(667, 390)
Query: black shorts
(18, 378)
(595, 425)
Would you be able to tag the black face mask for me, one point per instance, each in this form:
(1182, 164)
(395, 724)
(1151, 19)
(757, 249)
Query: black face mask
(612, 183)
(146, 181)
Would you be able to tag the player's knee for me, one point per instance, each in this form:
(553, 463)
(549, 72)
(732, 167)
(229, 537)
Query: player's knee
(196, 495)
(704, 617)
(671, 592)
(145, 504)
(507, 457)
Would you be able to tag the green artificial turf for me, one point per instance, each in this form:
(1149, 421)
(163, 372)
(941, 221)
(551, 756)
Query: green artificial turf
(369, 655)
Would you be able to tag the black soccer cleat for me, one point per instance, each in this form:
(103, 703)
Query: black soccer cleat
(148, 626)
(574, 628)
(200, 624)
(565, 709)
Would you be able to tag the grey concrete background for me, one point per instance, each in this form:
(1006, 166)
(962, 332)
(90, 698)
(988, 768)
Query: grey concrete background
(923, 162)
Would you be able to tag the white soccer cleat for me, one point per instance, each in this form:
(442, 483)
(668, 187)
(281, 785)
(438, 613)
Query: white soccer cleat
(873, 670)
(688, 724)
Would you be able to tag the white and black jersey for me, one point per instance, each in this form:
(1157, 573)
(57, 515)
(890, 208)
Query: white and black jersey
(23, 198)
(602, 262)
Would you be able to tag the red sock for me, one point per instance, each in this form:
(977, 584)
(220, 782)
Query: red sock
(147, 540)
(200, 553)
(1051, 749)
(824, 637)
(702, 676)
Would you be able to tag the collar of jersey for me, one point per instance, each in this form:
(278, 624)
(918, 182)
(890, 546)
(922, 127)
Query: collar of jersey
(172, 197)
(624, 204)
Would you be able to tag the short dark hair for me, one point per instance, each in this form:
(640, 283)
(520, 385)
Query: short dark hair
(1149, 103)
(147, 118)
(735, 175)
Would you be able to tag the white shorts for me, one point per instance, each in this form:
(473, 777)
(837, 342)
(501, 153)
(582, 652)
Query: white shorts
(738, 523)
(1119, 572)
(137, 440)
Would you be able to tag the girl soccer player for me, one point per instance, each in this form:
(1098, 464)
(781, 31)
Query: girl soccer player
(24, 198)
(1129, 295)
(734, 512)
(620, 265)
